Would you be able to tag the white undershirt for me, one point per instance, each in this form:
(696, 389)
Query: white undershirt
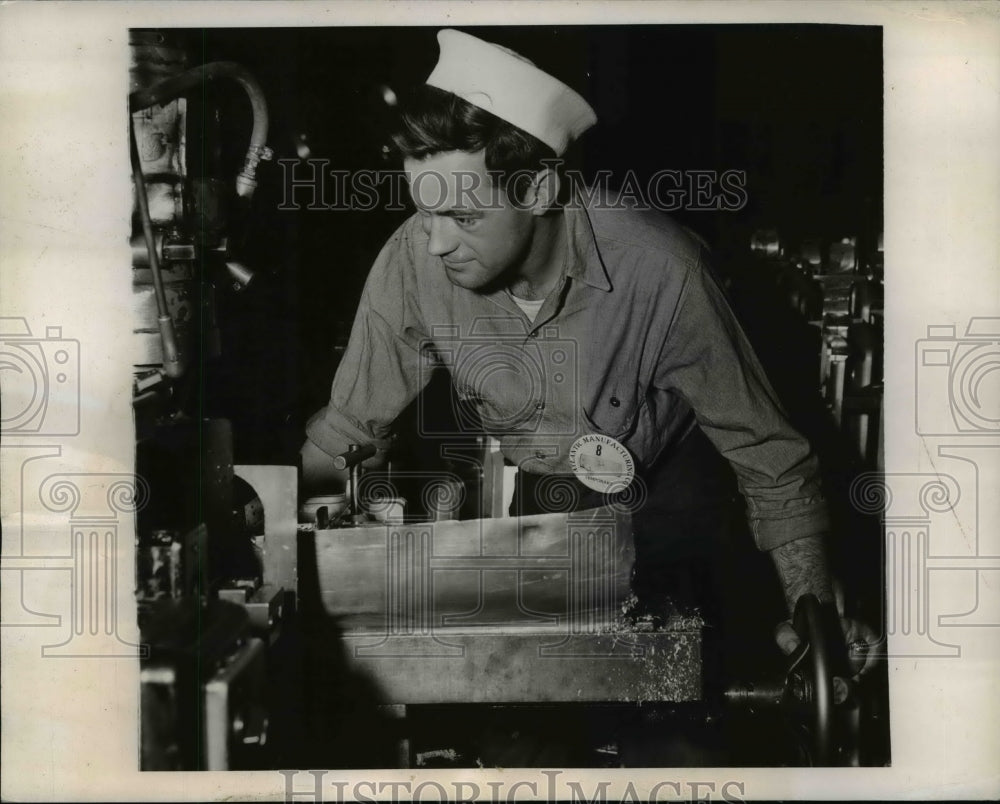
(530, 308)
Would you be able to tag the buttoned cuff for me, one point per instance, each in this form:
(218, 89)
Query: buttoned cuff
(333, 432)
(770, 532)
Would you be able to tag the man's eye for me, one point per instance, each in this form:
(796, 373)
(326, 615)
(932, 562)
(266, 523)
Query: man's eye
(465, 220)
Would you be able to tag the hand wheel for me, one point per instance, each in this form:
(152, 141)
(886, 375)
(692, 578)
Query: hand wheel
(810, 675)
(807, 692)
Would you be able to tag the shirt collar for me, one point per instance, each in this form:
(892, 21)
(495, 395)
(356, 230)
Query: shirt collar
(584, 260)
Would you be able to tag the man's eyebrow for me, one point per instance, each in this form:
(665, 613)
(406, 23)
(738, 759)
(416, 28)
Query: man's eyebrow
(461, 212)
(454, 212)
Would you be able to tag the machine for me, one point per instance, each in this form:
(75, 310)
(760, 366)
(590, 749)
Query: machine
(310, 633)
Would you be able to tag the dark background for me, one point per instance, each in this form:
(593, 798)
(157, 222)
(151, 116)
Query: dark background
(797, 107)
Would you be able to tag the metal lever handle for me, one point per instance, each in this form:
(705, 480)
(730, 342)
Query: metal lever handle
(355, 456)
(352, 460)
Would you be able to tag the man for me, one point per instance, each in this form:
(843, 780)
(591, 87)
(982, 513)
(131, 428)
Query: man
(655, 379)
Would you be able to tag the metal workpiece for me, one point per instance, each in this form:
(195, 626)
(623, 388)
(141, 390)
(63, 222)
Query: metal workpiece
(531, 609)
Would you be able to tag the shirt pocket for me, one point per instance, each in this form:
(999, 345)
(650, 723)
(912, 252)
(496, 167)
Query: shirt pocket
(613, 413)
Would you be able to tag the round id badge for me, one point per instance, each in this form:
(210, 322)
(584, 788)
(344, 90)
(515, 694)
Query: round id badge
(601, 463)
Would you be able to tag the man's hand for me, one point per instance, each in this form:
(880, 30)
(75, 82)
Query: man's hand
(802, 568)
(860, 639)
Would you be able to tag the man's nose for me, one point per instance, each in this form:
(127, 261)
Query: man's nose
(442, 236)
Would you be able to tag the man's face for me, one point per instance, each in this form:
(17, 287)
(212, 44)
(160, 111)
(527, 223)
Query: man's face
(475, 230)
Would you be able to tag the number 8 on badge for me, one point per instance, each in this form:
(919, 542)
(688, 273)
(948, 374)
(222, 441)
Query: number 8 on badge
(601, 463)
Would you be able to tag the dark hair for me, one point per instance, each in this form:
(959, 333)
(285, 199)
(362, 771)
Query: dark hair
(432, 121)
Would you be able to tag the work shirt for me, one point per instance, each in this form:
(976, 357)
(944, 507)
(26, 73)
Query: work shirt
(636, 342)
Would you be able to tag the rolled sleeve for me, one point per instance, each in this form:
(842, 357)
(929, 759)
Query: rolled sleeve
(384, 366)
(707, 360)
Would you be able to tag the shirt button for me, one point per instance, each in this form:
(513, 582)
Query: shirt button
(540, 455)
(615, 402)
(539, 406)
(533, 333)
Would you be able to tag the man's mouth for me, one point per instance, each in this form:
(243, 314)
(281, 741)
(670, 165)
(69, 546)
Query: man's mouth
(456, 263)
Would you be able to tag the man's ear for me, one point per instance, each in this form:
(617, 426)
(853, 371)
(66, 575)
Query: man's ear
(545, 188)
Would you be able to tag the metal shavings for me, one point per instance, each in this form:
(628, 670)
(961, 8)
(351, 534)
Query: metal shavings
(446, 754)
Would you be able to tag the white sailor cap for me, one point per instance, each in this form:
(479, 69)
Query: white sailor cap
(506, 84)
